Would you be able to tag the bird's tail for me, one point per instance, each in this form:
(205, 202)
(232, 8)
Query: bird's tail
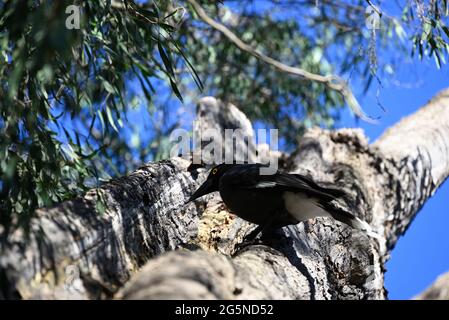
(353, 222)
(359, 224)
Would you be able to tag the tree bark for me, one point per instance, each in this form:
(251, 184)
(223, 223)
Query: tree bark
(145, 218)
(320, 259)
(439, 290)
(105, 247)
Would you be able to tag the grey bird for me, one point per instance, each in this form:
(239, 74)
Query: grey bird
(274, 201)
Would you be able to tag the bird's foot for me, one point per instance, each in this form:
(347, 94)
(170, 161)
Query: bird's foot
(255, 237)
(189, 246)
(245, 244)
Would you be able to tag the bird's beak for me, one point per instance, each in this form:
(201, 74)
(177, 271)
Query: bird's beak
(204, 189)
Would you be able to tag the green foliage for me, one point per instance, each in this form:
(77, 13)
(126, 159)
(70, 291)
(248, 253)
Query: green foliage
(52, 76)
(298, 33)
(432, 32)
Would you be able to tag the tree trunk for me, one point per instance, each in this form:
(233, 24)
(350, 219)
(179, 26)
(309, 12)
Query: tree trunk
(145, 216)
(439, 290)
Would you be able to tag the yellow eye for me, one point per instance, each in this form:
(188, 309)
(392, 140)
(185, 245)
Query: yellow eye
(214, 170)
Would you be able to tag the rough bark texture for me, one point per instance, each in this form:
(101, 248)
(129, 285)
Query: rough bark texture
(145, 216)
(142, 219)
(319, 259)
(439, 290)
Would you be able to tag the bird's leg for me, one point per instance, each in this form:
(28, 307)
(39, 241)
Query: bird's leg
(253, 234)
(189, 246)
(252, 237)
(249, 239)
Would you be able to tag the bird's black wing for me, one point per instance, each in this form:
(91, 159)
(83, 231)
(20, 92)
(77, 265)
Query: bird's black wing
(249, 177)
(307, 184)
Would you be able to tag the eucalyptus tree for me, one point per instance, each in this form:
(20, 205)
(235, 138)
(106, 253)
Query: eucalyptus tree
(68, 93)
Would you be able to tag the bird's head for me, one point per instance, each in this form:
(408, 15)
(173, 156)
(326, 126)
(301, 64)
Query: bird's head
(212, 182)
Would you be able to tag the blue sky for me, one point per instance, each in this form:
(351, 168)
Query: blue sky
(422, 253)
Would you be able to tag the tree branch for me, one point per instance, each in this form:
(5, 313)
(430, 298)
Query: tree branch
(416, 149)
(333, 82)
(320, 259)
(439, 290)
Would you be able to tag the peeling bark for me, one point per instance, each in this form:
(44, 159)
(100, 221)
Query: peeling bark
(415, 155)
(388, 182)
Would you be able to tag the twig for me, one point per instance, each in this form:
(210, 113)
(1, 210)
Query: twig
(374, 8)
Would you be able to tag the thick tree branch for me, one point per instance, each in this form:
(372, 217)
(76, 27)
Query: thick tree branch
(145, 216)
(388, 187)
(387, 181)
(139, 222)
(439, 290)
(318, 259)
(415, 155)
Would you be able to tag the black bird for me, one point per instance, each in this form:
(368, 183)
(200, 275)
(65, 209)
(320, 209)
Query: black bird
(274, 201)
